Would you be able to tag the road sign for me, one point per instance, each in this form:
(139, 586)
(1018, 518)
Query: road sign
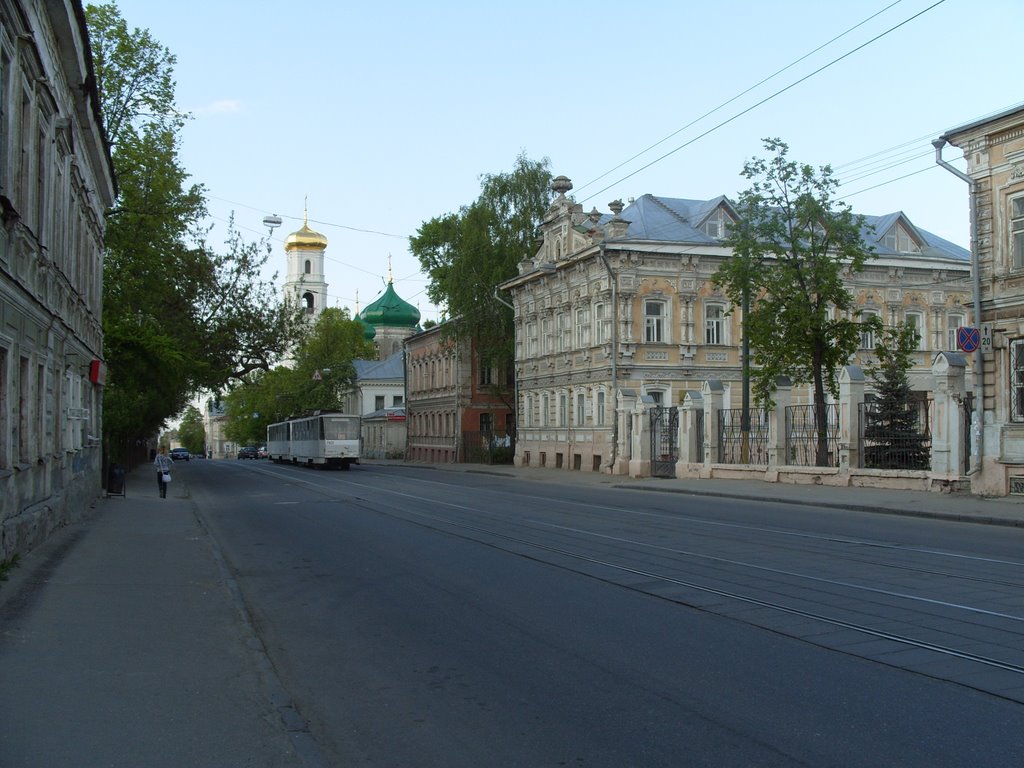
(967, 339)
(986, 337)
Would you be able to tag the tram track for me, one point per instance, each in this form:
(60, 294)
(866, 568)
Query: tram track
(511, 533)
(446, 526)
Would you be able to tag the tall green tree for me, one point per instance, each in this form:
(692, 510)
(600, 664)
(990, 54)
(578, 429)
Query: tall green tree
(322, 375)
(467, 254)
(895, 437)
(791, 246)
(178, 315)
(324, 359)
(191, 432)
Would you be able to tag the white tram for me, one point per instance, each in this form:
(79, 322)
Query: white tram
(322, 440)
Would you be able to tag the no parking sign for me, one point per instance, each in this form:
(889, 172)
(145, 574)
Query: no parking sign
(967, 339)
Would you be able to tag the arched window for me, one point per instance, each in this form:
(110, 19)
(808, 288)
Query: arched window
(310, 303)
(309, 266)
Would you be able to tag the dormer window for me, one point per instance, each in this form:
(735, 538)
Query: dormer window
(900, 240)
(717, 224)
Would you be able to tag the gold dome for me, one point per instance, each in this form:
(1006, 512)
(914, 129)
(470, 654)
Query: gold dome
(305, 237)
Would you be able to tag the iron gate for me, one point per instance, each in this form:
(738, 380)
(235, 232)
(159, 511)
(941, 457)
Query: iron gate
(664, 440)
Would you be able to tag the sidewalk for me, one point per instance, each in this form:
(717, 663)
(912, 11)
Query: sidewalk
(123, 643)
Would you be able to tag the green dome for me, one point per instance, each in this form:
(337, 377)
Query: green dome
(391, 311)
(368, 330)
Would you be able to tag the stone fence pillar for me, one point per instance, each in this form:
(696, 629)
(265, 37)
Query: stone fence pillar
(713, 394)
(625, 405)
(777, 427)
(851, 396)
(691, 442)
(949, 436)
(640, 453)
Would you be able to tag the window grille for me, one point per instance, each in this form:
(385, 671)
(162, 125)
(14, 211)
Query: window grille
(1017, 380)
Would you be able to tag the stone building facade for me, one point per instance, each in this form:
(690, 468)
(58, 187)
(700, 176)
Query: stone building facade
(994, 151)
(456, 407)
(56, 181)
(614, 309)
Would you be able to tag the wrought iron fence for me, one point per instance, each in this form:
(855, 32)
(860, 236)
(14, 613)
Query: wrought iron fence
(736, 448)
(895, 435)
(488, 448)
(664, 440)
(698, 440)
(802, 435)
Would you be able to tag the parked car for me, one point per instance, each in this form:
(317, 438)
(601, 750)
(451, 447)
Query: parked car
(262, 452)
(248, 452)
(180, 454)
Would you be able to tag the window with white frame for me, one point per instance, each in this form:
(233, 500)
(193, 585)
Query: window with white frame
(1017, 380)
(564, 332)
(717, 224)
(900, 240)
(582, 327)
(546, 325)
(867, 334)
(602, 324)
(1017, 232)
(654, 321)
(714, 324)
(531, 340)
(916, 321)
(599, 408)
(563, 409)
(953, 323)
(579, 415)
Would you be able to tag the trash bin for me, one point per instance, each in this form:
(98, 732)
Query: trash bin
(115, 480)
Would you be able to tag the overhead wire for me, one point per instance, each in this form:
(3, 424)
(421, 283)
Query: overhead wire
(738, 95)
(767, 99)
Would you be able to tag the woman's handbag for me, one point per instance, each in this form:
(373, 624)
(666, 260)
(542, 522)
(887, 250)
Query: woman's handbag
(167, 477)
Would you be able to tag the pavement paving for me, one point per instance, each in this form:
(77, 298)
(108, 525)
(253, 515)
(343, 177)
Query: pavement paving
(132, 617)
(124, 642)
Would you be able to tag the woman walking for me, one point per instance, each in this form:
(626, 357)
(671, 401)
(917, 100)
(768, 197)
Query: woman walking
(163, 465)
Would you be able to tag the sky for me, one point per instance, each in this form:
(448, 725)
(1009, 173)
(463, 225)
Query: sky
(377, 117)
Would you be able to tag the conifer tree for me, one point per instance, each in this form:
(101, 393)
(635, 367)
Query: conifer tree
(895, 437)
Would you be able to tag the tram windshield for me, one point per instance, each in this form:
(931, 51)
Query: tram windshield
(341, 428)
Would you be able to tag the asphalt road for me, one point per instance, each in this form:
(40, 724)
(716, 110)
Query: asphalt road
(429, 618)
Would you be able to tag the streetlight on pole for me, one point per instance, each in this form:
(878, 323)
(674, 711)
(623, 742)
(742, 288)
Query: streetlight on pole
(271, 222)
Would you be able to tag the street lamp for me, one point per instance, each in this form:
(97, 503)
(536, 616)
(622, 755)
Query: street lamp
(271, 222)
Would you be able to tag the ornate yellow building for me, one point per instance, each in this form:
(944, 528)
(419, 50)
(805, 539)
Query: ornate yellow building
(615, 308)
(994, 151)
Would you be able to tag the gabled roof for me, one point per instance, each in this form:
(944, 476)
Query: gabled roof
(679, 220)
(932, 246)
(668, 219)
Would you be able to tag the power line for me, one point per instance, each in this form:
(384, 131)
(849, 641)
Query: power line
(737, 96)
(766, 99)
(318, 222)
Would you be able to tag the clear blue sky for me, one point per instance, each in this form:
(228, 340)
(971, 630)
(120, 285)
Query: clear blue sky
(386, 114)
